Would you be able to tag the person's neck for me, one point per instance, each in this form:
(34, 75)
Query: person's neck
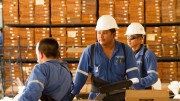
(136, 48)
(109, 46)
(48, 59)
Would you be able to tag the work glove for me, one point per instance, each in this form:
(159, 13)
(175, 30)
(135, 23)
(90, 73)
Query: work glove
(20, 91)
(174, 87)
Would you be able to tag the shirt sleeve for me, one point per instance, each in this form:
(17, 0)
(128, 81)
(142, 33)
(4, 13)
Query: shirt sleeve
(151, 68)
(81, 72)
(34, 86)
(131, 68)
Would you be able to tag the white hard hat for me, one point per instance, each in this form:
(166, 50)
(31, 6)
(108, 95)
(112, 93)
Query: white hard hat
(106, 22)
(135, 28)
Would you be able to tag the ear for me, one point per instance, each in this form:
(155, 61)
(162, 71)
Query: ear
(113, 34)
(142, 38)
(41, 55)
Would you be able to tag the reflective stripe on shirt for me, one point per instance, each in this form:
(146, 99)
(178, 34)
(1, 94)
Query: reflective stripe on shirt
(152, 71)
(38, 82)
(82, 72)
(131, 69)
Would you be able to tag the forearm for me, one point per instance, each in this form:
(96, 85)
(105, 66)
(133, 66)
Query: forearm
(32, 91)
(149, 80)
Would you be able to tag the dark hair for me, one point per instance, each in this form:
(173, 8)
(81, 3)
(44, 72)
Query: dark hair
(139, 35)
(49, 47)
(112, 30)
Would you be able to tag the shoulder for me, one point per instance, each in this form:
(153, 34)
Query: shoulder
(89, 47)
(149, 53)
(42, 66)
(121, 44)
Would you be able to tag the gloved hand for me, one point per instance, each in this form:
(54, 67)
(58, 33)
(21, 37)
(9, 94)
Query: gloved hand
(174, 87)
(71, 97)
(20, 91)
(134, 80)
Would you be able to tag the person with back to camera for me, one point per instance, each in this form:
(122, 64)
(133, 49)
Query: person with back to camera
(110, 62)
(146, 59)
(50, 80)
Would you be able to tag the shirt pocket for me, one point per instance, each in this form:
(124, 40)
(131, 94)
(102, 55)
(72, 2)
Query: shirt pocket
(119, 66)
(99, 69)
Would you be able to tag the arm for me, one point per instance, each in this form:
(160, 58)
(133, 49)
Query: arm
(34, 86)
(151, 67)
(81, 72)
(131, 67)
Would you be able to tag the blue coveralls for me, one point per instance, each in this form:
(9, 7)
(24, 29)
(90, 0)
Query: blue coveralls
(48, 78)
(150, 67)
(110, 70)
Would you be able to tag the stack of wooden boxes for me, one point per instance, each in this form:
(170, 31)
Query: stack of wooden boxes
(74, 38)
(121, 13)
(153, 11)
(42, 12)
(41, 33)
(73, 11)
(168, 8)
(58, 12)
(167, 71)
(88, 11)
(27, 37)
(11, 36)
(153, 40)
(88, 35)
(10, 12)
(106, 7)
(13, 71)
(153, 35)
(26, 11)
(136, 11)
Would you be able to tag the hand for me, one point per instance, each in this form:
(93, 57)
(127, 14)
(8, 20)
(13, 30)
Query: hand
(71, 97)
(20, 89)
(16, 97)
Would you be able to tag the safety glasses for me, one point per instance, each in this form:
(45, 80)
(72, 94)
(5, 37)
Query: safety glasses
(131, 37)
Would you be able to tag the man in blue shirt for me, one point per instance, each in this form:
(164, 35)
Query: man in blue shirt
(50, 79)
(145, 58)
(108, 63)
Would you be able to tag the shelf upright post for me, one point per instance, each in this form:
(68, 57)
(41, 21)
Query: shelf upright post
(97, 9)
(145, 20)
(1, 73)
(20, 60)
(50, 18)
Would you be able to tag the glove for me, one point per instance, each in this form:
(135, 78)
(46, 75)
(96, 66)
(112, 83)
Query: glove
(20, 91)
(71, 97)
(134, 80)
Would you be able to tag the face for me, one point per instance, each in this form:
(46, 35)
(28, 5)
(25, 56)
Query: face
(134, 40)
(105, 37)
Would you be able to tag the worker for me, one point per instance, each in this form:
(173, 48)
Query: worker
(50, 80)
(106, 60)
(145, 58)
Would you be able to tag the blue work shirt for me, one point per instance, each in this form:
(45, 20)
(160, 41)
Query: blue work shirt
(150, 67)
(110, 70)
(49, 78)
